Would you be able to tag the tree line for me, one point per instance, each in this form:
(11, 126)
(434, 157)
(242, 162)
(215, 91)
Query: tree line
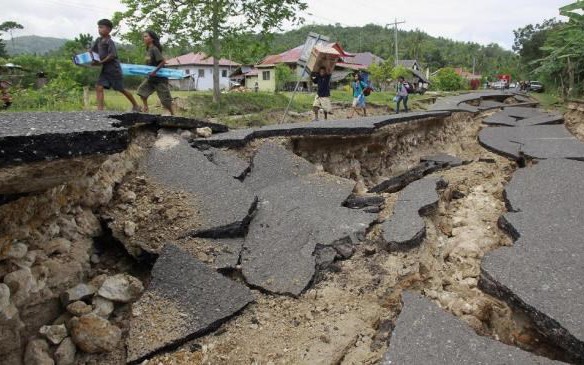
(552, 51)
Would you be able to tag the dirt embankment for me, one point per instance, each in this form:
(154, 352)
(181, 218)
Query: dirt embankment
(574, 119)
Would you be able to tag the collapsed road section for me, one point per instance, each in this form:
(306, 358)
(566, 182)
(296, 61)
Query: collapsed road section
(282, 244)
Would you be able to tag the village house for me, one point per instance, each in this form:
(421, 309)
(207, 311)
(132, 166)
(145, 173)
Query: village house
(198, 68)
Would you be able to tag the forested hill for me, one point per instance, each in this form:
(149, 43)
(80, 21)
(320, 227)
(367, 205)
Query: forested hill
(430, 51)
(32, 44)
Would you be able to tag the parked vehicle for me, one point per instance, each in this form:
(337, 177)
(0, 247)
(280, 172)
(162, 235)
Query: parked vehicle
(536, 86)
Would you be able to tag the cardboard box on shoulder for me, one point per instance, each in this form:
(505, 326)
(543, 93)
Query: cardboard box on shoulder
(322, 57)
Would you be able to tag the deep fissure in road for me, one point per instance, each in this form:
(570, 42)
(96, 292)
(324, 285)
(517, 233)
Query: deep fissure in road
(348, 310)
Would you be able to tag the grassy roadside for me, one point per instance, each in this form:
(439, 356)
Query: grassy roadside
(549, 101)
(234, 109)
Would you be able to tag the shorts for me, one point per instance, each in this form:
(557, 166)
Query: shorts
(323, 102)
(110, 83)
(359, 102)
(160, 85)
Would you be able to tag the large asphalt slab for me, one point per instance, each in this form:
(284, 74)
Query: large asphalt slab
(522, 117)
(539, 142)
(166, 121)
(223, 202)
(46, 136)
(542, 272)
(425, 334)
(343, 127)
(460, 102)
(406, 227)
(272, 164)
(184, 299)
(293, 218)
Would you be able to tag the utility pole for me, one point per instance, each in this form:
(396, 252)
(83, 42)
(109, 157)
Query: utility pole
(395, 23)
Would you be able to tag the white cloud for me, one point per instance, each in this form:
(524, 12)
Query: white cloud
(479, 21)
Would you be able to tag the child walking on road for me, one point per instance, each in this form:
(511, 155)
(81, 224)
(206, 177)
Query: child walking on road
(358, 87)
(154, 83)
(111, 70)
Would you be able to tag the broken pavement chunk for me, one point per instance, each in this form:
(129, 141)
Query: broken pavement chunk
(406, 227)
(426, 334)
(293, 217)
(541, 274)
(185, 299)
(541, 142)
(272, 164)
(223, 201)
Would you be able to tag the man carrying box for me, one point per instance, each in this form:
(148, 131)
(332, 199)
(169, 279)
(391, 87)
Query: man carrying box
(323, 93)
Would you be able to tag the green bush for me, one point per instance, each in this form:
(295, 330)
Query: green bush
(448, 80)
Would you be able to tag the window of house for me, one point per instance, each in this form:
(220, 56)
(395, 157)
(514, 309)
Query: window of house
(201, 72)
(187, 72)
(265, 75)
(223, 73)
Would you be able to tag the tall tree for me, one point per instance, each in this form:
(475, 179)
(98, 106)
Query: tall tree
(529, 40)
(563, 61)
(3, 52)
(10, 26)
(208, 22)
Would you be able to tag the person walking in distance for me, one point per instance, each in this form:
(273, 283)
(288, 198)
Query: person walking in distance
(322, 99)
(358, 87)
(401, 94)
(153, 82)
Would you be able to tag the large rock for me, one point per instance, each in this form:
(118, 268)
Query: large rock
(272, 164)
(94, 334)
(55, 334)
(78, 292)
(185, 299)
(79, 308)
(37, 353)
(426, 334)
(121, 288)
(224, 203)
(406, 227)
(293, 218)
(541, 273)
(65, 353)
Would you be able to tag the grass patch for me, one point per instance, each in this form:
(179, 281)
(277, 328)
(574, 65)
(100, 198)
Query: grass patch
(201, 104)
(549, 101)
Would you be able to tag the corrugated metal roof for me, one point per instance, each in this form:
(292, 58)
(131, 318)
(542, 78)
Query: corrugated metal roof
(198, 59)
(293, 55)
(289, 56)
(365, 58)
(351, 66)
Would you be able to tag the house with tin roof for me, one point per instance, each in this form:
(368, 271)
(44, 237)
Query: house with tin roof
(199, 69)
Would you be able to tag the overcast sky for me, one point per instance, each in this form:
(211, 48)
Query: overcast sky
(484, 21)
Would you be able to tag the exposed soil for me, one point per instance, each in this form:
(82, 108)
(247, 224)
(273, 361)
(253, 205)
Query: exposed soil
(574, 119)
